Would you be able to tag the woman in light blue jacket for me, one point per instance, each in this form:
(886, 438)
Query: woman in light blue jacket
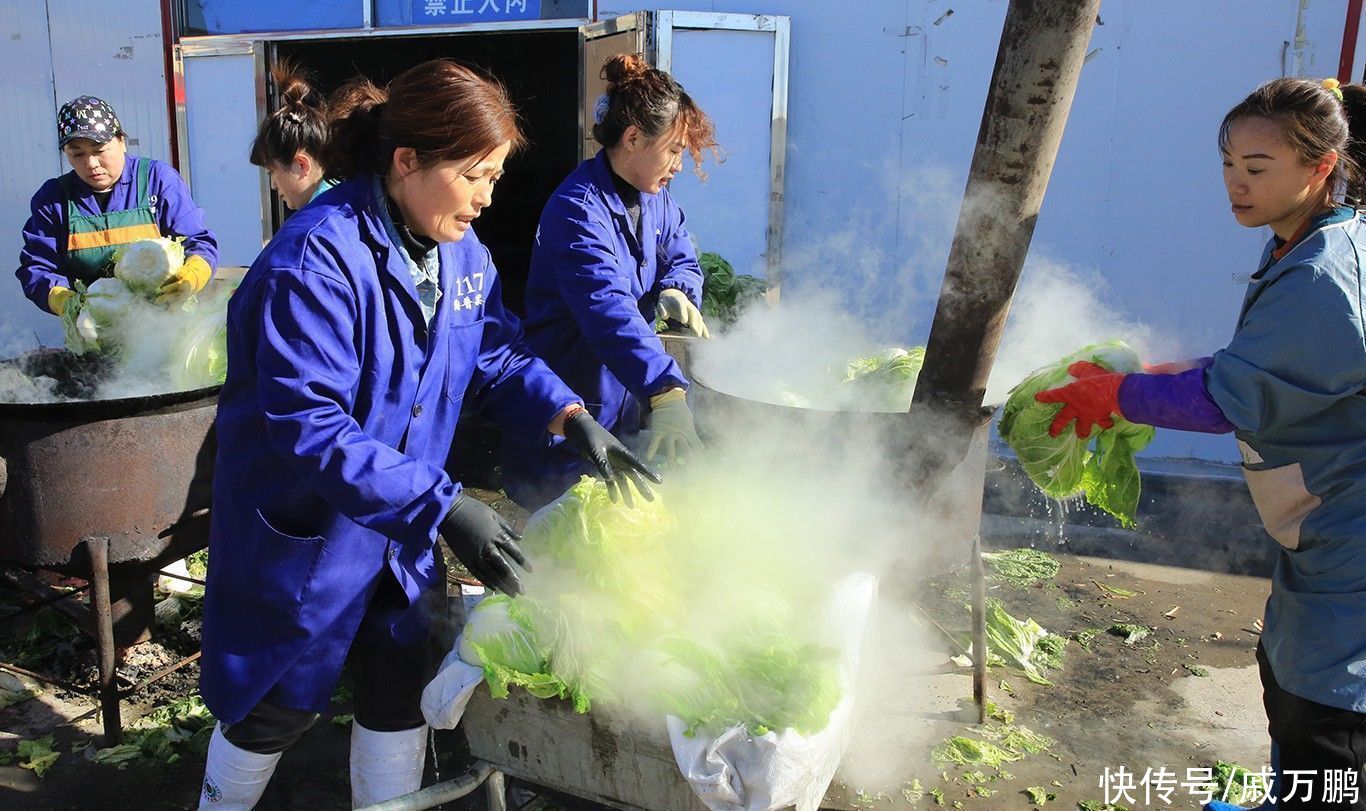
(1291, 386)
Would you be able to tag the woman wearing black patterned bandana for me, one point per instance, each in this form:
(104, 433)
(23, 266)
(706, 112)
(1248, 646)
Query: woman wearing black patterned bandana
(108, 199)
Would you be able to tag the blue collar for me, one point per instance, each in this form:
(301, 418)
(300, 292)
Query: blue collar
(601, 170)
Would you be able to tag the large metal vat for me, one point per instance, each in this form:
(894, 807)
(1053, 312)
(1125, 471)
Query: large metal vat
(945, 478)
(135, 470)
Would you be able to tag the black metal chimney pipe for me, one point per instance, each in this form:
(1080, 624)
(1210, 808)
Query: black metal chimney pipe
(1043, 45)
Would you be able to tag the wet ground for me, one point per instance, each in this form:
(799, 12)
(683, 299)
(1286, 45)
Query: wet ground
(1183, 698)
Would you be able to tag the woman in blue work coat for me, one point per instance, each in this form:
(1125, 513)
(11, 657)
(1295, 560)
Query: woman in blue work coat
(1291, 387)
(108, 199)
(612, 254)
(353, 341)
(291, 140)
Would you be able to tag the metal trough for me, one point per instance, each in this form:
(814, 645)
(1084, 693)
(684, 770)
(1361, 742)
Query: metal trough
(545, 742)
(949, 478)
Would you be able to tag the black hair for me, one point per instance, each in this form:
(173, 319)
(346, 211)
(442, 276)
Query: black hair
(1315, 122)
(654, 103)
(441, 109)
(300, 123)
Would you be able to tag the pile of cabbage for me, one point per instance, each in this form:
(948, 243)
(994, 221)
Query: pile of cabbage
(1101, 467)
(886, 381)
(617, 615)
(880, 382)
(182, 345)
(725, 293)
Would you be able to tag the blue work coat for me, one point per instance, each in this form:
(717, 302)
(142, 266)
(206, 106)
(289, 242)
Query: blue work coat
(334, 426)
(590, 313)
(1293, 383)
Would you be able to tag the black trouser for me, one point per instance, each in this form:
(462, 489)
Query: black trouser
(1320, 747)
(386, 682)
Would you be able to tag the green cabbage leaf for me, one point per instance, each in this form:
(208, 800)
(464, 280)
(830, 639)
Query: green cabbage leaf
(618, 628)
(1101, 467)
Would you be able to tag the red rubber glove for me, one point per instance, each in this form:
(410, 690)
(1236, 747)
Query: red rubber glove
(1091, 400)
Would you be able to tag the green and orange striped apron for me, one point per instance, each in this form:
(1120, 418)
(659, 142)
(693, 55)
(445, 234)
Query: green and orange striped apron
(92, 239)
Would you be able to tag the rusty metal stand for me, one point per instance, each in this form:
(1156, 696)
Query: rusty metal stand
(104, 639)
(98, 622)
(979, 629)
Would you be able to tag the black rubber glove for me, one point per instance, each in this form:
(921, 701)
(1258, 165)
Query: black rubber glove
(615, 463)
(484, 542)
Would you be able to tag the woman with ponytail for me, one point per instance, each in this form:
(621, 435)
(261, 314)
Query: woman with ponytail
(612, 254)
(291, 141)
(1291, 387)
(353, 341)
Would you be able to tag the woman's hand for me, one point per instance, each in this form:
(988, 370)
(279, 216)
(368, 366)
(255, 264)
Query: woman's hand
(189, 278)
(57, 298)
(614, 461)
(671, 427)
(485, 543)
(675, 306)
(1092, 400)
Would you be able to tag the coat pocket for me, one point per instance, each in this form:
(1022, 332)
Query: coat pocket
(285, 565)
(466, 345)
(1279, 492)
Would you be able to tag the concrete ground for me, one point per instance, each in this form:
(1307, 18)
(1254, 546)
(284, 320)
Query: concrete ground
(1184, 698)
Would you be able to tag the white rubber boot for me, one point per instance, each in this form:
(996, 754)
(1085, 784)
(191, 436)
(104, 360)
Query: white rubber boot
(234, 778)
(385, 765)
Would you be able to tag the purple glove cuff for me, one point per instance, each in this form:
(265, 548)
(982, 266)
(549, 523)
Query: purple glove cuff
(1179, 401)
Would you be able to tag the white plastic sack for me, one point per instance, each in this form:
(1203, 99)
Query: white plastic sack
(448, 693)
(736, 771)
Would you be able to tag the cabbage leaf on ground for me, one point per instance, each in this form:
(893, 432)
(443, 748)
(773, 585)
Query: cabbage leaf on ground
(1021, 644)
(1020, 567)
(1100, 467)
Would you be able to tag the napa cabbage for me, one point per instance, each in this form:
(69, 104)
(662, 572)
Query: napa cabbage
(107, 300)
(499, 638)
(885, 381)
(1100, 467)
(199, 356)
(178, 347)
(144, 265)
(619, 612)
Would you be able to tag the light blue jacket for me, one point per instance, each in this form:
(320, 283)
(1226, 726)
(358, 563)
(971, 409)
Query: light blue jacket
(1293, 382)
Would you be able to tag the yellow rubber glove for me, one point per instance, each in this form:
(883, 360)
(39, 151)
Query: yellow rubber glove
(57, 298)
(190, 278)
(674, 306)
(671, 427)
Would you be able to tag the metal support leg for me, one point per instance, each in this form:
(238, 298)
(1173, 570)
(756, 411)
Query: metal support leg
(979, 630)
(497, 790)
(104, 638)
